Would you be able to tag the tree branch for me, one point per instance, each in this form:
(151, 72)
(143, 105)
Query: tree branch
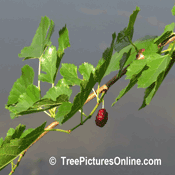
(103, 88)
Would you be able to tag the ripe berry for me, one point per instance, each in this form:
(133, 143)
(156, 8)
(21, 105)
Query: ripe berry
(101, 118)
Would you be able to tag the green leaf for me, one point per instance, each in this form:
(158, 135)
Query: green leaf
(123, 61)
(124, 36)
(56, 91)
(137, 65)
(167, 32)
(157, 64)
(40, 41)
(69, 73)
(104, 61)
(48, 103)
(152, 89)
(1, 141)
(49, 34)
(63, 42)
(10, 132)
(131, 84)
(85, 69)
(28, 103)
(173, 10)
(64, 82)
(26, 99)
(16, 142)
(132, 19)
(63, 110)
(122, 40)
(43, 105)
(21, 84)
(48, 65)
(144, 42)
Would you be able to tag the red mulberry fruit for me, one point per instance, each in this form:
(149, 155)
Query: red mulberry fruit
(101, 118)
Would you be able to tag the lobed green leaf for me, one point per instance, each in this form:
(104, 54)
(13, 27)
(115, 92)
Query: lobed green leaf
(152, 89)
(173, 10)
(54, 92)
(125, 36)
(20, 86)
(40, 41)
(123, 61)
(48, 65)
(16, 142)
(63, 42)
(85, 69)
(69, 73)
(43, 105)
(104, 62)
(62, 111)
(122, 39)
(132, 19)
(131, 84)
(157, 65)
(26, 100)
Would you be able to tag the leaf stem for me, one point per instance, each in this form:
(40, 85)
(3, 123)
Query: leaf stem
(12, 165)
(133, 45)
(39, 71)
(167, 50)
(45, 112)
(96, 94)
(83, 113)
